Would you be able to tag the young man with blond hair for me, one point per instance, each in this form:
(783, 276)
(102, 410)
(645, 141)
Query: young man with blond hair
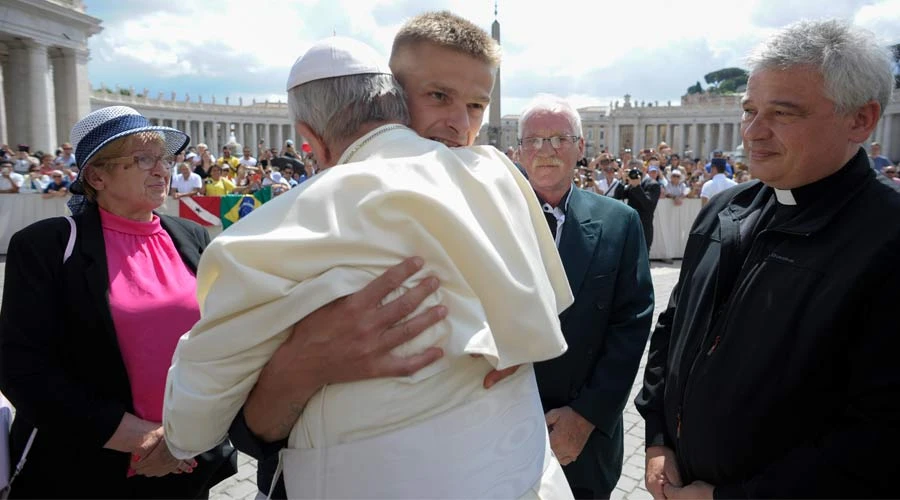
(446, 65)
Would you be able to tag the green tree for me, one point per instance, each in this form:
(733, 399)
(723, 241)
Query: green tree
(695, 89)
(726, 80)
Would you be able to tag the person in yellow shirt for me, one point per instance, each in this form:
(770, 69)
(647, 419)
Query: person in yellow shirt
(216, 184)
(228, 162)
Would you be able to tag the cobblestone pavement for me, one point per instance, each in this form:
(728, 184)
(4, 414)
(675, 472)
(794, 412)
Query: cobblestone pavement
(631, 484)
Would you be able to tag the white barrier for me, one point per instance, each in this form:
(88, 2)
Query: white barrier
(671, 224)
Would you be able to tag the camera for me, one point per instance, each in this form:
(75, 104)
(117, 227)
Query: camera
(635, 173)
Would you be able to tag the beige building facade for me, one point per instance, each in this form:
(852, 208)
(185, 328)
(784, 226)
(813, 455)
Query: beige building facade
(43, 70)
(45, 90)
(209, 122)
(701, 124)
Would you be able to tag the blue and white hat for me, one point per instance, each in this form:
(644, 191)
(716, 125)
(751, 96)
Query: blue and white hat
(105, 125)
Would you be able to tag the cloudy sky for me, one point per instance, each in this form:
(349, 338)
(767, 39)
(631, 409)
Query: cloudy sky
(592, 51)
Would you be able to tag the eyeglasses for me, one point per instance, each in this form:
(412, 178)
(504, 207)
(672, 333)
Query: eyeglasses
(147, 162)
(557, 141)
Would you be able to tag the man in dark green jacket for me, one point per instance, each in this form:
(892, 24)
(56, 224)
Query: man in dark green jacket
(602, 247)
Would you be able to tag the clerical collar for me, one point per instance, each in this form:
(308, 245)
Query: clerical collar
(785, 197)
(851, 173)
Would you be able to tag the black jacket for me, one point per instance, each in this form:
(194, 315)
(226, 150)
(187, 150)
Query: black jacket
(606, 328)
(643, 199)
(773, 372)
(61, 367)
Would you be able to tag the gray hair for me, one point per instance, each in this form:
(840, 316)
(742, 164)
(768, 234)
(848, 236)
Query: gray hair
(635, 164)
(336, 108)
(553, 104)
(855, 68)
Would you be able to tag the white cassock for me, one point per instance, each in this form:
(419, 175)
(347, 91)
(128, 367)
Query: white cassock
(437, 434)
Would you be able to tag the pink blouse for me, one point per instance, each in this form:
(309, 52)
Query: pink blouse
(152, 298)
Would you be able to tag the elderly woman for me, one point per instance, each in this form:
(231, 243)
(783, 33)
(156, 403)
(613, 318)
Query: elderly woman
(88, 373)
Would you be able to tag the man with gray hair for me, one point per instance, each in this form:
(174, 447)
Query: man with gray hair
(602, 247)
(385, 192)
(773, 372)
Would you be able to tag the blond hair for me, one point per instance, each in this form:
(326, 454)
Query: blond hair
(448, 30)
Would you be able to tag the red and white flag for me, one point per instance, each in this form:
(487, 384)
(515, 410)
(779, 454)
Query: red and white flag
(203, 210)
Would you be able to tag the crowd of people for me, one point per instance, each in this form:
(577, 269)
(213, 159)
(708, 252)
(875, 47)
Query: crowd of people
(462, 324)
(679, 175)
(200, 172)
(195, 171)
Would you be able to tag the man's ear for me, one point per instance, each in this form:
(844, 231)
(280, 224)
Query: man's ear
(864, 121)
(318, 145)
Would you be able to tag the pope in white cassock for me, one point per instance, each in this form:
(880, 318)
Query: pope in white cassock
(388, 194)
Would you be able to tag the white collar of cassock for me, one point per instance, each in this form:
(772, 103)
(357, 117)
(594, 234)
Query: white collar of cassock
(785, 197)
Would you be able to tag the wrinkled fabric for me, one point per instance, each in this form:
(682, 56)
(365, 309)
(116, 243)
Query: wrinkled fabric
(468, 212)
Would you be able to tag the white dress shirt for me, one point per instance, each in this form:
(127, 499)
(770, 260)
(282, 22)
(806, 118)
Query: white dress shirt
(716, 185)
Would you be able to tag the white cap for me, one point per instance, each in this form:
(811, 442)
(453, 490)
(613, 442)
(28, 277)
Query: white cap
(336, 56)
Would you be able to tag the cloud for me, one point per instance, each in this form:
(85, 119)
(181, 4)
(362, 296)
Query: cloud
(592, 51)
(882, 19)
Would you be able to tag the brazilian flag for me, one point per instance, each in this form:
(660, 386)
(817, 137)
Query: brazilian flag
(235, 206)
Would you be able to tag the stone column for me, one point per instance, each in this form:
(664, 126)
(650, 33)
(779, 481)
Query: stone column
(253, 140)
(288, 133)
(239, 136)
(694, 141)
(191, 124)
(72, 89)
(886, 136)
(721, 140)
(614, 140)
(638, 137)
(218, 129)
(30, 98)
(736, 135)
(210, 136)
(15, 89)
(4, 137)
(675, 138)
(707, 140)
(279, 138)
